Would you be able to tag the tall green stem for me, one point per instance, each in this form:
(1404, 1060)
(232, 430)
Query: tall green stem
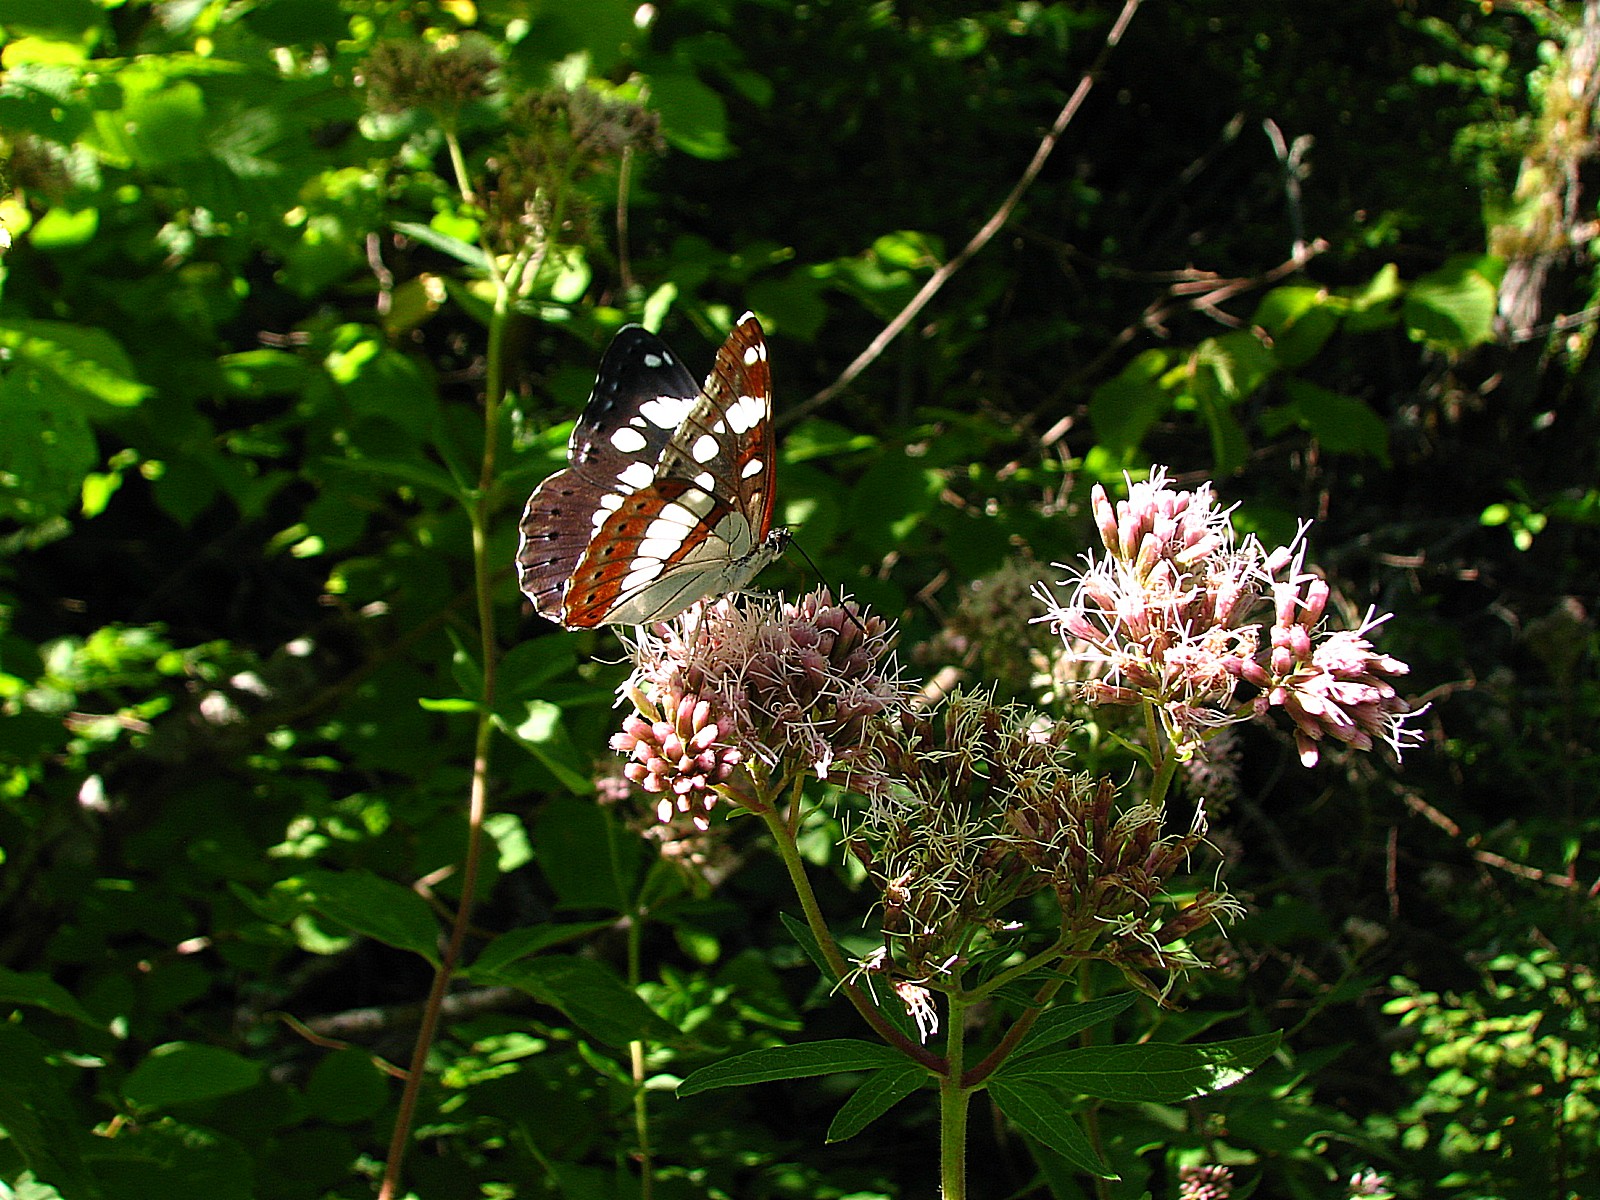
(953, 1101)
(783, 837)
(479, 506)
(636, 1059)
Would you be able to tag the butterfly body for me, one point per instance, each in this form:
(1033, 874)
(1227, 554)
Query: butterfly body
(668, 497)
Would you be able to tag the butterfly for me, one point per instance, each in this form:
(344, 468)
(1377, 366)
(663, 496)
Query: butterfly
(668, 497)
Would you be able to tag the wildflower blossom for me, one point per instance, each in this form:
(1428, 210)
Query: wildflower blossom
(1370, 1183)
(781, 687)
(1177, 613)
(1209, 1181)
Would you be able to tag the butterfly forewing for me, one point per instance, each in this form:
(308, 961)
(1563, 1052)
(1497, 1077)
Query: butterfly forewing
(669, 496)
(639, 379)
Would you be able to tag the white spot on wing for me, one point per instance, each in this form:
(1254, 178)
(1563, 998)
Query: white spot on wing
(637, 475)
(644, 570)
(745, 413)
(666, 412)
(666, 547)
(697, 502)
(673, 514)
(752, 468)
(628, 440)
(704, 448)
(754, 354)
(705, 480)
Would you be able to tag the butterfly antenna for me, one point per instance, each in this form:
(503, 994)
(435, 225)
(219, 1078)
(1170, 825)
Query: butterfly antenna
(817, 571)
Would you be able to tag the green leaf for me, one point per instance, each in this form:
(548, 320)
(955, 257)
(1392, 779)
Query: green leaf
(87, 365)
(1065, 1020)
(37, 1115)
(47, 449)
(1230, 368)
(53, 20)
(1123, 409)
(185, 1072)
(893, 1011)
(375, 907)
(801, 933)
(542, 732)
(464, 251)
(1342, 424)
(1157, 1072)
(588, 992)
(346, 1086)
(1300, 320)
(799, 1061)
(266, 372)
(882, 1090)
(1453, 308)
(693, 117)
(416, 474)
(586, 856)
(521, 943)
(1043, 1113)
(40, 991)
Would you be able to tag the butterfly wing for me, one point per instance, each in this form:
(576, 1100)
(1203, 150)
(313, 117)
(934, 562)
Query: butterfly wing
(669, 496)
(640, 396)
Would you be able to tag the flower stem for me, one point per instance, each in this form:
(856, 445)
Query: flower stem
(789, 851)
(953, 1101)
(636, 1058)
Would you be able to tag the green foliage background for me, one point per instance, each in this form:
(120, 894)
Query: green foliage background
(241, 414)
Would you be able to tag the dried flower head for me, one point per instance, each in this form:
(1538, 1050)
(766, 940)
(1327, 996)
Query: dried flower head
(559, 139)
(782, 687)
(991, 634)
(979, 807)
(1176, 614)
(442, 77)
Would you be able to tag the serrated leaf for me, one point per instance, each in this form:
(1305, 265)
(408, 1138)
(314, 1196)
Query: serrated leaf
(800, 1061)
(374, 907)
(1043, 1114)
(1155, 1072)
(881, 1092)
(1065, 1020)
(590, 994)
(185, 1073)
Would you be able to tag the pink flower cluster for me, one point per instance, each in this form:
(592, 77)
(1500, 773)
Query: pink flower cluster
(780, 687)
(1176, 614)
(677, 751)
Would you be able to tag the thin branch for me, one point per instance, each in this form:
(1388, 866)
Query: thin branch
(985, 234)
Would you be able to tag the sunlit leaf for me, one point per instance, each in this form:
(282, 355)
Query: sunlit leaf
(799, 1061)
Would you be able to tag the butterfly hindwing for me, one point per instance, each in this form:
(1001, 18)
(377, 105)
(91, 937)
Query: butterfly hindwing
(669, 496)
